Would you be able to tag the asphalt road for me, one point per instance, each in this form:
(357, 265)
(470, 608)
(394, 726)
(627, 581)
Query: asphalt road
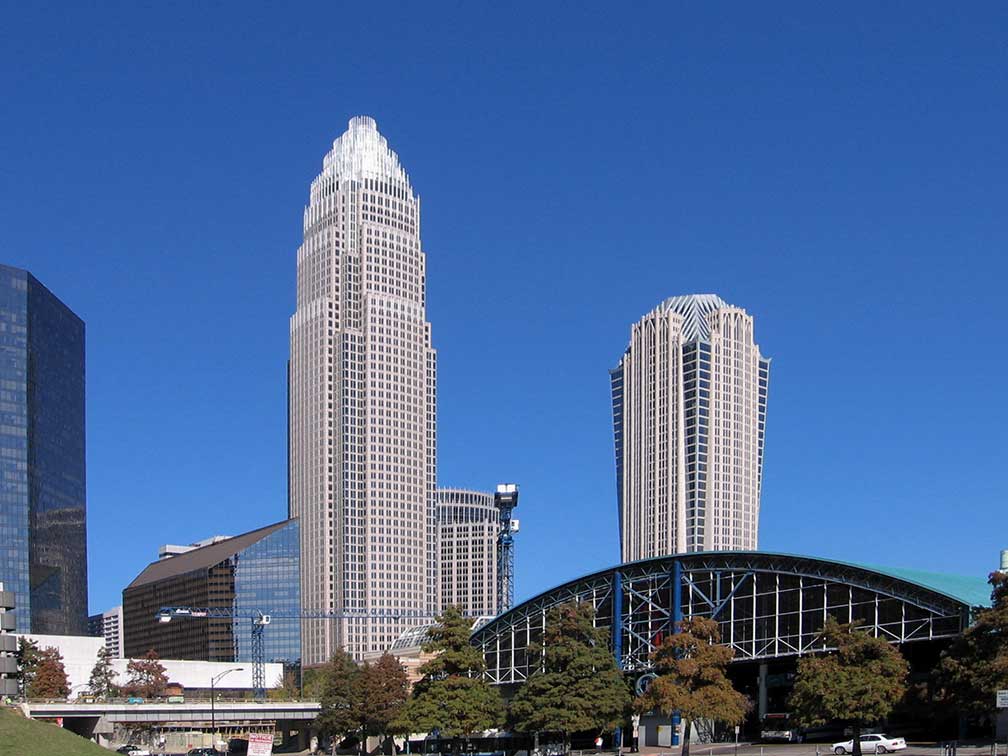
(814, 749)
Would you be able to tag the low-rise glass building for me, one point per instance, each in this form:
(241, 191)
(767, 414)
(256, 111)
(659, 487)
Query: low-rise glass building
(250, 573)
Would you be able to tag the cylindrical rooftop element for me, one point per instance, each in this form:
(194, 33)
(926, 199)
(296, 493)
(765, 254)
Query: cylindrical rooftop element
(363, 121)
(1004, 560)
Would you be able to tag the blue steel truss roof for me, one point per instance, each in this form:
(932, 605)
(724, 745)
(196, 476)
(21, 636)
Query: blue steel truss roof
(968, 590)
(767, 605)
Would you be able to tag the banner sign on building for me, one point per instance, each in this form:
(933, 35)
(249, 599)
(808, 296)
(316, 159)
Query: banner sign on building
(260, 744)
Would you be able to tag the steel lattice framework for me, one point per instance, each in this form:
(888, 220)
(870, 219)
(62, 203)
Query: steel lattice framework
(766, 605)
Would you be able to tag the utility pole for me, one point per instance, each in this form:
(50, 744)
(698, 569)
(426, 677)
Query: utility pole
(213, 713)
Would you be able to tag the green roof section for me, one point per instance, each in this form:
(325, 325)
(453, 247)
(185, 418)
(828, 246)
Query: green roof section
(971, 590)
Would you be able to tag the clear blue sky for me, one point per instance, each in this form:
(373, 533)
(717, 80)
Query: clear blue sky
(840, 173)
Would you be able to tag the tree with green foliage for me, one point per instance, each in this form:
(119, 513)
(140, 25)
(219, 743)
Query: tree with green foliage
(857, 684)
(313, 682)
(384, 688)
(50, 680)
(691, 678)
(147, 676)
(285, 688)
(975, 666)
(102, 681)
(28, 657)
(576, 685)
(452, 696)
(338, 685)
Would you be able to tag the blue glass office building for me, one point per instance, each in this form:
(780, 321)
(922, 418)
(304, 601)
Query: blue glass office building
(43, 538)
(268, 579)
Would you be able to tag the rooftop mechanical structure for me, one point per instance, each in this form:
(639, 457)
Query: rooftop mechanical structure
(506, 499)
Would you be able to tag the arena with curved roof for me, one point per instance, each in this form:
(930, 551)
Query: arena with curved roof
(768, 607)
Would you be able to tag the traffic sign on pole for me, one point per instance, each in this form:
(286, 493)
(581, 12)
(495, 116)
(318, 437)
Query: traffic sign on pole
(1002, 699)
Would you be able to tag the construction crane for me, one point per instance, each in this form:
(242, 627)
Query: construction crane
(260, 620)
(505, 499)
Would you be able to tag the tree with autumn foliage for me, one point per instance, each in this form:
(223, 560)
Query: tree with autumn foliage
(975, 666)
(50, 680)
(384, 691)
(858, 683)
(362, 700)
(576, 685)
(691, 678)
(147, 676)
(452, 696)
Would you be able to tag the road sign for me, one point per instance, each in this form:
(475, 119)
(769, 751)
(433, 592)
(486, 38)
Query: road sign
(260, 744)
(1002, 699)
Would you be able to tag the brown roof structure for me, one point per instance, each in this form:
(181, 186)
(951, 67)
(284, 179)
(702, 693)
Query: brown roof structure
(203, 557)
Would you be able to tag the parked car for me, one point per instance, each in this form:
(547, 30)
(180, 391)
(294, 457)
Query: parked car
(203, 752)
(133, 750)
(872, 743)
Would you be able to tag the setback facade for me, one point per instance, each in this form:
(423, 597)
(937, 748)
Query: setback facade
(254, 572)
(42, 457)
(689, 414)
(362, 403)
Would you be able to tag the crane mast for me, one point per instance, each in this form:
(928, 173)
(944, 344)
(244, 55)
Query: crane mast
(505, 499)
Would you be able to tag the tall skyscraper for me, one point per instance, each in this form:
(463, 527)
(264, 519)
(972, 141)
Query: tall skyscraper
(43, 558)
(689, 412)
(362, 399)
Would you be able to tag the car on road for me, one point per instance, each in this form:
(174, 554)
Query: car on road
(203, 752)
(874, 742)
(133, 750)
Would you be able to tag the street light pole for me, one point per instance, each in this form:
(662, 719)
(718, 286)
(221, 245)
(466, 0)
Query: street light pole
(213, 714)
